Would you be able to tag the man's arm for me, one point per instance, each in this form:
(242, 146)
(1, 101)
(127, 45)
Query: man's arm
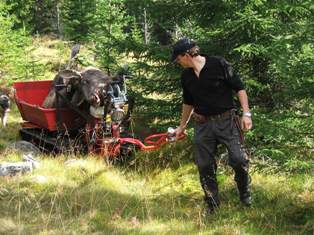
(187, 111)
(246, 121)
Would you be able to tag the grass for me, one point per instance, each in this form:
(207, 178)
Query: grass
(154, 193)
(91, 196)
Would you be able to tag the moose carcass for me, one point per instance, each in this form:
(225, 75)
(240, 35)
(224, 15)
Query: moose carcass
(93, 87)
(67, 82)
(90, 85)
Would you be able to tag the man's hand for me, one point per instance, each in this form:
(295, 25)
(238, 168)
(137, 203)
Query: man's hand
(246, 123)
(179, 130)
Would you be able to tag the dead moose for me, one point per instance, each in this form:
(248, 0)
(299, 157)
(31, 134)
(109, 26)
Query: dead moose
(67, 82)
(89, 86)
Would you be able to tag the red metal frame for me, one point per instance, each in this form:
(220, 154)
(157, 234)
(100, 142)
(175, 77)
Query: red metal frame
(110, 146)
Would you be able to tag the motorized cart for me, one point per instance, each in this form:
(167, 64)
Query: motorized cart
(62, 130)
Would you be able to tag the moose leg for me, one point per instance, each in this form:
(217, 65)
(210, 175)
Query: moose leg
(50, 100)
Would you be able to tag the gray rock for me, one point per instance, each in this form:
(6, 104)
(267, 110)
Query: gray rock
(25, 147)
(12, 168)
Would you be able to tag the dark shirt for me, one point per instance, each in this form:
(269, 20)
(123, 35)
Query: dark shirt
(211, 93)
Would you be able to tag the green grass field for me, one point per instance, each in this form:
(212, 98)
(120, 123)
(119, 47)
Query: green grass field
(153, 193)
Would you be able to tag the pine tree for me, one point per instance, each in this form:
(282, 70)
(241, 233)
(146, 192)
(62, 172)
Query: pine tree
(110, 32)
(77, 18)
(13, 61)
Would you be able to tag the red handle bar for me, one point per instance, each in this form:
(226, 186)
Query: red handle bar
(159, 139)
(153, 141)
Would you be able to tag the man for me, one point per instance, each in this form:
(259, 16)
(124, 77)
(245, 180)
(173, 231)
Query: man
(208, 84)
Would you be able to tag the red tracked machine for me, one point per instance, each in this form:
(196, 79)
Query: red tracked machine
(99, 130)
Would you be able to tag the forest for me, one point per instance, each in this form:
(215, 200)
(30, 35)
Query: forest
(271, 46)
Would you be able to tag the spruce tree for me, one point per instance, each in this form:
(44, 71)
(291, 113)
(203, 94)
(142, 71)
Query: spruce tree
(77, 18)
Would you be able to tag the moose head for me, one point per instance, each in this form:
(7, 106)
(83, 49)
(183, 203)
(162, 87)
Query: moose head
(93, 87)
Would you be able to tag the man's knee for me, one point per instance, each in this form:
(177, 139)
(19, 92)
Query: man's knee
(204, 157)
(239, 165)
(238, 157)
(205, 163)
(207, 170)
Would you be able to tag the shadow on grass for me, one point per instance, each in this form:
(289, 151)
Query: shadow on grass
(94, 205)
(271, 212)
(87, 208)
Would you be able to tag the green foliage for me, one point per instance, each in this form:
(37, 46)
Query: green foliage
(284, 140)
(111, 25)
(36, 16)
(22, 11)
(46, 16)
(13, 43)
(262, 40)
(77, 17)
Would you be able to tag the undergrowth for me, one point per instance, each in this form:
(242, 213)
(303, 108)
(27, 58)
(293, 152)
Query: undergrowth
(151, 193)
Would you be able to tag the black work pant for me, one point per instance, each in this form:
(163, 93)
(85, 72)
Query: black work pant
(207, 136)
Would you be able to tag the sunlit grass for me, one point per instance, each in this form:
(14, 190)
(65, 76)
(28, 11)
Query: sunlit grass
(152, 193)
(91, 196)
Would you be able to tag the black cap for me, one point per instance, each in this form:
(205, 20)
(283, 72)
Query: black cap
(181, 46)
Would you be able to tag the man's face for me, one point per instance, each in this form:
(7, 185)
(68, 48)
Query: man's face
(183, 60)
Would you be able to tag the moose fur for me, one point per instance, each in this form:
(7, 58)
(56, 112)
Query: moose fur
(90, 85)
(94, 86)
(69, 81)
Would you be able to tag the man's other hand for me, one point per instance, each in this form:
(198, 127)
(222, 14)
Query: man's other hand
(246, 123)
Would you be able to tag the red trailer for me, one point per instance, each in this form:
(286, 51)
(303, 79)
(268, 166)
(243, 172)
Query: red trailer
(29, 97)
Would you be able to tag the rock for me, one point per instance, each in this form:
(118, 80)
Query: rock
(12, 168)
(25, 147)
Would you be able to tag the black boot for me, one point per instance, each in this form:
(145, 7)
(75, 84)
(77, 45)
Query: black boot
(246, 199)
(243, 181)
(245, 192)
(210, 205)
(210, 187)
